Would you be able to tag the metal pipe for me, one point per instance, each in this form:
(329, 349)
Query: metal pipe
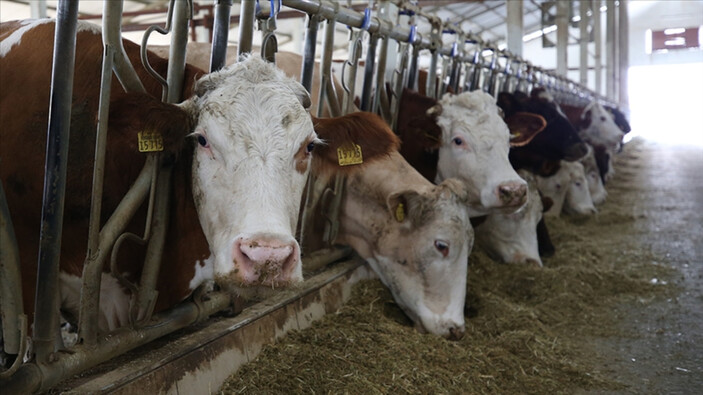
(32, 377)
(326, 71)
(413, 70)
(562, 21)
(380, 74)
(246, 26)
(610, 50)
(431, 89)
(306, 71)
(177, 50)
(11, 307)
(47, 295)
(597, 38)
(623, 54)
(116, 224)
(112, 35)
(368, 73)
(583, 41)
(218, 56)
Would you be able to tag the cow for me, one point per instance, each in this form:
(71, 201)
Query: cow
(595, 182)
(463, 136)
(388, 207)
(240, 145)
(558, 141)
(512, 237)
(415, 235)
(568, 190)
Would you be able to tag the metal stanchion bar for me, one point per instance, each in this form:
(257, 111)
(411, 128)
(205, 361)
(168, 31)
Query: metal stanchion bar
(306, 72)
(220, 34)
(246, 26)
(47, 301)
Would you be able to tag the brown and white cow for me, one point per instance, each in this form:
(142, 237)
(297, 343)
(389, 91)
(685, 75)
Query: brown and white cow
(463, 136)
(512, 237)
(568, 190)
(595, 182)
(240, 146)
(415, 235)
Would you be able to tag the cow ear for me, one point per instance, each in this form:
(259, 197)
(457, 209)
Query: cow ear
(466, 193)
(301, 93)
(585, 120)
(351, 141)
(408, 206)
(524, 126)
(508, 103)
(548, 168)
(136, 114)
(434, 111)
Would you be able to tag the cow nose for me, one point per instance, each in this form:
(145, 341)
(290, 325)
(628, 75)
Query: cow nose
(512, 193)
(265, 260)
(455, 333)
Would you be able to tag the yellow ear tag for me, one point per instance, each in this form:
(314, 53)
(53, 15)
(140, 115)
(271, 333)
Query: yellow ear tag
(150, 142)
(515, 135)
(350, 156)
(400, 212)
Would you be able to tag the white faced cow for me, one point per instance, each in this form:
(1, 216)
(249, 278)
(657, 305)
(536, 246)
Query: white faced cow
(568, 189)
(512, 237)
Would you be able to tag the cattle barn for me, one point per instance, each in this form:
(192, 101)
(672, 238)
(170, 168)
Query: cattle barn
(354, 196)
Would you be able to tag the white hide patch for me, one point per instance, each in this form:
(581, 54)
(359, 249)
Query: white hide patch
(28, 24)
(204, 271)
(16, 37)
(114, 301)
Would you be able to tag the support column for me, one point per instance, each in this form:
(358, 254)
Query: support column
(610, 50)
(562, 20)
(583, 41)
(623, 53)
(514, 24)
(595, 6)
(37, 9)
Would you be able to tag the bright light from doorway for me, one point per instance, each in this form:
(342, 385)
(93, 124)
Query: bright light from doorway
(666, 103)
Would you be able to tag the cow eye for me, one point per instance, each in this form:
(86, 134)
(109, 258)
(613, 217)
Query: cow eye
(310, 147)
(458, 141)
(558, 186)
(578, 184)
(442, 247)
(202, 141)
(602, 118)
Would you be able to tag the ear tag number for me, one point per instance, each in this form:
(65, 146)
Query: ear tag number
(400, 212)
(350, 156)
(150, 142)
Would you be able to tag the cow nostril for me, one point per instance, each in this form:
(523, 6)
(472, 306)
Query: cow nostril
(455, 333)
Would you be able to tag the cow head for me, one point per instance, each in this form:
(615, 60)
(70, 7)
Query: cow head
(578, 197)
(595, 182)
(512, 237)
(415, 235)
(417, 241)
(475, 144)
(253, 143)
(558, 141)
(597, 127)
(246, 138)
(619, 119)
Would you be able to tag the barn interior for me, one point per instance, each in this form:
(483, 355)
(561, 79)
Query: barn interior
(618, 309)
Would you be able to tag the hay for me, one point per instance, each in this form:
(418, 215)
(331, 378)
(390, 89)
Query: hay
(526, 328)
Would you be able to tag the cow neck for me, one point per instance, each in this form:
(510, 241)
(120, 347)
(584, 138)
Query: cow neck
(186, 245)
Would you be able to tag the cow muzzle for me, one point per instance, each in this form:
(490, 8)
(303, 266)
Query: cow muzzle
(512, 194)
(266, 260)
(575, 151)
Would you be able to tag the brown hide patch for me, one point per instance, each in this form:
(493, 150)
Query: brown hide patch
(524, 126)
(421, 136)
(364, 129)
(585, 120)
(302, 156)
(549, 168)
(139, 112)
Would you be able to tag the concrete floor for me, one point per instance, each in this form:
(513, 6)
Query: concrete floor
(663, 351)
